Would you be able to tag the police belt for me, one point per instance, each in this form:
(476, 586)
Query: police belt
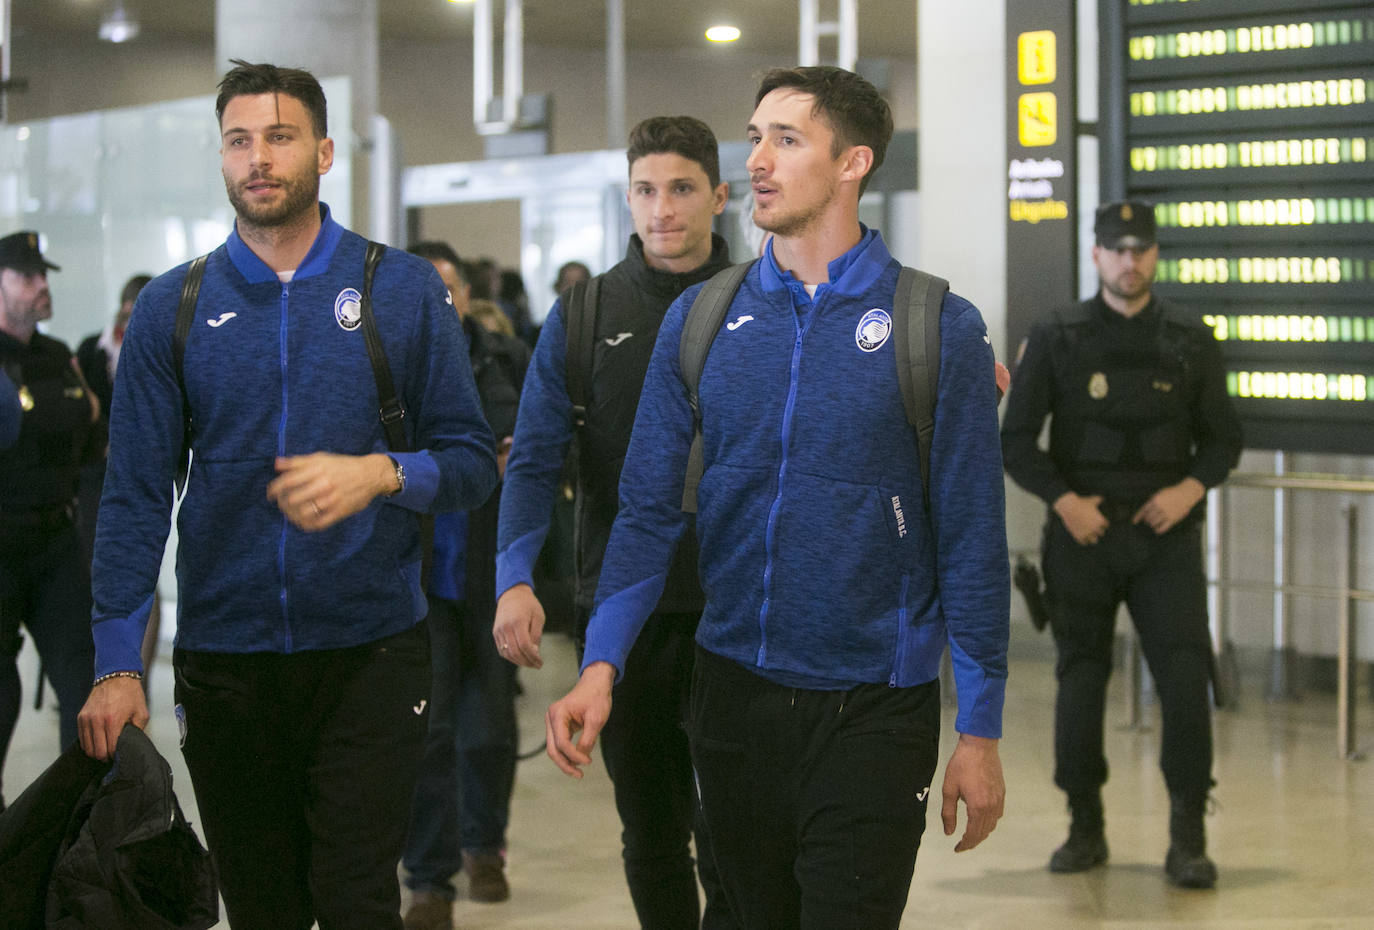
(1120, 511)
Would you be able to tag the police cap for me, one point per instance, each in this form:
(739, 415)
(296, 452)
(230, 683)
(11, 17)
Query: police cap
(20, 251)
(1127, 223)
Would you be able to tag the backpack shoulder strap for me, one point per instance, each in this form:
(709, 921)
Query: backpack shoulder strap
(186, 312)
(916, 325)
(390, 409)
(581, 304)
(699, 330)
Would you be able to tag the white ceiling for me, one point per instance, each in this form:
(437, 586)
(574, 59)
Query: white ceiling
(887, 28)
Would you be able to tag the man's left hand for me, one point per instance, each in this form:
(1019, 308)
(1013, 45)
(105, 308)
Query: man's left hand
(318, 490)
(1168, 506)
(974, 773)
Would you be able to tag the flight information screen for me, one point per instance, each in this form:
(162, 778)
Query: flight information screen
(1249, 124)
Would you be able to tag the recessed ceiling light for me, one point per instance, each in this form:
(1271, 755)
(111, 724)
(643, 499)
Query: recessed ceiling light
(118, 26)
(722, 33)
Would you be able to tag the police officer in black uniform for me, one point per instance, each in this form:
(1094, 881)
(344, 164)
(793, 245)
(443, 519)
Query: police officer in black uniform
(1140, 428)
(44, 580)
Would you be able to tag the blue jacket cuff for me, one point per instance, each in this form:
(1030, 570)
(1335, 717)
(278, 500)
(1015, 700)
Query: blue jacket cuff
(119, 639)
(980, 706)
(422, 480)
(515, 563)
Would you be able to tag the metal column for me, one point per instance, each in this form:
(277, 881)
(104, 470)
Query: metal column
(1225, 684)
(1281, 687)
(615, 74)
(1347, 653)
(810, 28)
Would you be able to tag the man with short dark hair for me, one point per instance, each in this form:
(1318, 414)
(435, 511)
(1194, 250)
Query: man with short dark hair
(834, 581)
(1140, 427)
(302, 662)
(45, 583)
(675, 192)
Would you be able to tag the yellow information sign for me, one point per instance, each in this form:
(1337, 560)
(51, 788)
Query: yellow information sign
(1035, 57)
(1037, 119)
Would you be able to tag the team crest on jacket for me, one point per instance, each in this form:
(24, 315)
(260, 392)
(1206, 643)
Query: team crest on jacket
(348, 308)
(874, 328)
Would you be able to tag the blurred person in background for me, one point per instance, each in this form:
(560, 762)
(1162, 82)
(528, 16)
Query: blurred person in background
(461, 806)
(45, 582)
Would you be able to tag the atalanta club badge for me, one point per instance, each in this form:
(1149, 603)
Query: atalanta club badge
(873, 330)
(348, 309)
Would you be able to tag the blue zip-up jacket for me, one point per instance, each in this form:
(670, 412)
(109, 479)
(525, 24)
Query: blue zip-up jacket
(821, 565)
(275, 369)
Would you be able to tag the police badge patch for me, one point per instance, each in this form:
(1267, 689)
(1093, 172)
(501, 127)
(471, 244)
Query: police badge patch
(873, 329)
(348, 309)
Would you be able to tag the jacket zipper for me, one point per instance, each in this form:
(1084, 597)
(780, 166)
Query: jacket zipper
(770, 534)
(901, 630)
(281, 450)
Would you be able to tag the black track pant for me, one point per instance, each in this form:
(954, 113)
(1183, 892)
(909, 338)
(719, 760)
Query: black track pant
(815, 801)
(303, 767)
(1161, 581)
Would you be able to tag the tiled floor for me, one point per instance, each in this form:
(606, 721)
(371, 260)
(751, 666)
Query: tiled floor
(1293, 834)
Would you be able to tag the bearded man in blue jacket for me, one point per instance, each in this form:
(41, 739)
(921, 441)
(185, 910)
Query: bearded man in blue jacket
(832, 588)
(302, 662)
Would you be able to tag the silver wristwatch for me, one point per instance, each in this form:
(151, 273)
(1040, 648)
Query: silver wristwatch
(400, 478)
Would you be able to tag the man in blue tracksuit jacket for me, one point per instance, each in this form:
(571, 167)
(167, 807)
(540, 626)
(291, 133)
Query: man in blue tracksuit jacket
(832, 589)
(302, 663)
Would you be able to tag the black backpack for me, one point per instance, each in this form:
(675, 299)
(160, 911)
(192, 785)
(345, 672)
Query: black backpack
(917, 334)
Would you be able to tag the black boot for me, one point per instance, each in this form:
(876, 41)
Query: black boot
(1087, 843)
(1187, 864)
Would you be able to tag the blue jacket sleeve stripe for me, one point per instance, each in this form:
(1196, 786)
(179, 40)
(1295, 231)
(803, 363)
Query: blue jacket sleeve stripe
(618, 621)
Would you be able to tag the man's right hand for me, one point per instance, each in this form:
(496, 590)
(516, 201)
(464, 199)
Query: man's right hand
(1081, 517)
(112, 703)
(519, 626)
(584, 709)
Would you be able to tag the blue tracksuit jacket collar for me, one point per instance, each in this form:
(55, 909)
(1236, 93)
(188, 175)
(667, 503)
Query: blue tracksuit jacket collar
(851, 274)
(255, 270)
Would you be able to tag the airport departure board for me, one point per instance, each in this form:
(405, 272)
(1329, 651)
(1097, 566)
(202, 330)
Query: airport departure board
(1249, 124)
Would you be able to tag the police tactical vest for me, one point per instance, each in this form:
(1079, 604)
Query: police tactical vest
(1125, 389)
